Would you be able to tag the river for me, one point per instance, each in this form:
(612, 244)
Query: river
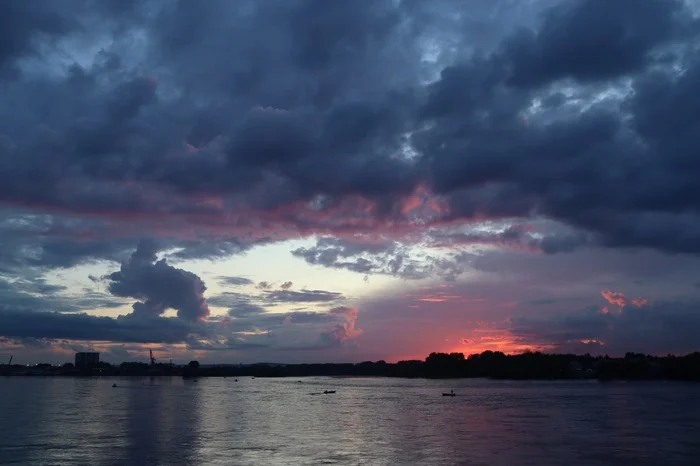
(373, 421)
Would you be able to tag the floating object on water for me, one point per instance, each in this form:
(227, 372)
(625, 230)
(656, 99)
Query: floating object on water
(452, 393)
(114, 385)
(328, 392)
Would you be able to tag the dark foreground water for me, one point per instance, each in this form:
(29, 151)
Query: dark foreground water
(64, 421)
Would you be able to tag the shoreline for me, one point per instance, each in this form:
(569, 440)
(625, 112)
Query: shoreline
(488, 365)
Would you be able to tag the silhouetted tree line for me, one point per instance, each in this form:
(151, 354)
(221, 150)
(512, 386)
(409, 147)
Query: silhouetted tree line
(490, 364)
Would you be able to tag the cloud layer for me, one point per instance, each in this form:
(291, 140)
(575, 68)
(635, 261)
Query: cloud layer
(407, 139)
(330, 124)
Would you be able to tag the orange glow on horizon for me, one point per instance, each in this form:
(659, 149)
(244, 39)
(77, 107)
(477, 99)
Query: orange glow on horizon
(494, 340)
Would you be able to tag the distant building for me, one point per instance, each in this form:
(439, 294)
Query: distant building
(86, 359)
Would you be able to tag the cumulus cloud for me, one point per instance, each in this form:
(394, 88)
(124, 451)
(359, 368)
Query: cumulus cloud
(565, 46)
(347, 330)
(159, 286)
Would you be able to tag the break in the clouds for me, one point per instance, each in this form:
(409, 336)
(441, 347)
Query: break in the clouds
(392, 138)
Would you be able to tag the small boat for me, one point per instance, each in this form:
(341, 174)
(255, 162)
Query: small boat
(452, 393)
(114, 385)
(328, 392)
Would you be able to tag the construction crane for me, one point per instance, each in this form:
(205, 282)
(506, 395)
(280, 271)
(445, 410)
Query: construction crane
(153, 360)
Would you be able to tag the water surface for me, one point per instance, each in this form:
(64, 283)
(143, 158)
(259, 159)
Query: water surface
(374, 421)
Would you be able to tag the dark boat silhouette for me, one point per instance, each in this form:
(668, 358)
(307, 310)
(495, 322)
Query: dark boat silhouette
(452, 393)
(328, 392)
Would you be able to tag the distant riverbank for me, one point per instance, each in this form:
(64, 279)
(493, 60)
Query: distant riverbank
(489, 364)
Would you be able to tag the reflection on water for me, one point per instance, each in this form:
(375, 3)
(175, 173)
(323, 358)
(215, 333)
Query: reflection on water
(166, 421)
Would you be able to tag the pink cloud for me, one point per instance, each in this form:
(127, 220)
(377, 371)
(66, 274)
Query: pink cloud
(639, 302)
(618, 299)
(346, 330)
(613, 297)
(140, 208)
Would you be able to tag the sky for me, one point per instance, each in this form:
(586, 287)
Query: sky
(334, 181)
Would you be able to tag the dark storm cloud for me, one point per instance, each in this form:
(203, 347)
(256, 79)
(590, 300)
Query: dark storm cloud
(159, 286)
(25, 323)
(590, 40)
(42, 242)
(238, 115)
(25, 26)
(106, 124)
(608, 169)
